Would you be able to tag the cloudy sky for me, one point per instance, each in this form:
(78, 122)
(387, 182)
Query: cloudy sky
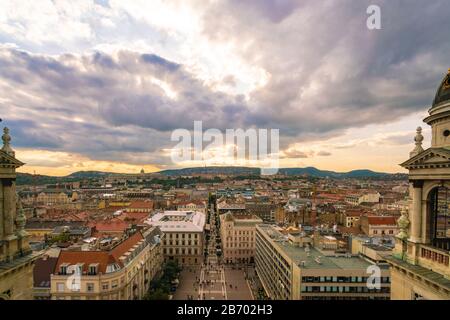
(101, 84)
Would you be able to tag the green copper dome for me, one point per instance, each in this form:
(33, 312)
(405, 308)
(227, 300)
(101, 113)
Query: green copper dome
(443, 93)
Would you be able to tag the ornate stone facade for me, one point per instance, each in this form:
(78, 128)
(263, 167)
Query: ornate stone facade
(420, 263)
(16, 258)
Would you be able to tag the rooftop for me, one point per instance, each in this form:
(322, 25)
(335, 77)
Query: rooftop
(443, 92)
(178, 221)
(315, 259)
(105, 260)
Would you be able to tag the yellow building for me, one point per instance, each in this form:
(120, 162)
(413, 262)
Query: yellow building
(56, 197)
(16, 258)
(123, 273)
(238, 237)
(420, 263)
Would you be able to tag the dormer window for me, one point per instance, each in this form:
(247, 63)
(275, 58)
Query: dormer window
(63, 268)
(93, 269)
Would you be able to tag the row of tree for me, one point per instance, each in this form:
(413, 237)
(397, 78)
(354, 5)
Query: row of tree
(160, 288)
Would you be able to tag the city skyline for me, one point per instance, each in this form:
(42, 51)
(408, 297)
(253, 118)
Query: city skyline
(100, 85)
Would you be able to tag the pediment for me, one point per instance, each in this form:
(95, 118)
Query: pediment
(8, 161)
(430, 158)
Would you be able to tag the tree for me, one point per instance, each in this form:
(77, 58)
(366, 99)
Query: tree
(158, 294)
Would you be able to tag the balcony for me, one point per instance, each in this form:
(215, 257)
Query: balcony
(435, 259)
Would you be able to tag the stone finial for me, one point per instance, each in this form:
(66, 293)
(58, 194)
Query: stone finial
(418, 139)
(6, 142)
(403, 224)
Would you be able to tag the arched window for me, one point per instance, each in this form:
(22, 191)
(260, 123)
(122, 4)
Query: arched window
(440, 218)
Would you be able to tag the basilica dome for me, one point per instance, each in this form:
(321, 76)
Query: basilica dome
(443, 92)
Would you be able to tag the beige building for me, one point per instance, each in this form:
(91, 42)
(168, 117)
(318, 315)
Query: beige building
(184, 235)
(238, 237)
(16, 258)
(357, 199)
(420, 263)
(56, 197)
(379, 226)
(195, 205)
(123, 273)
(290, 269)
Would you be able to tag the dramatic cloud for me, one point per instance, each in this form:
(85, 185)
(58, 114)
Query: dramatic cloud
(110, 80)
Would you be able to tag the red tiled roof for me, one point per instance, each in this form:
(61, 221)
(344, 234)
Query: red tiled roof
(135, 216)
(353, 213)
(196, 202)
(380, 220)
(113, 225)
(103, 258)
(141, 205)
(85, 257)
(126, 245)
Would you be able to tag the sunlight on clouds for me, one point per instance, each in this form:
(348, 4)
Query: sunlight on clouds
(63, 163)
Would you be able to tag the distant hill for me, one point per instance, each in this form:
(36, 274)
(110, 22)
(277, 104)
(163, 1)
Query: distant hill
(212, 170)
(363, 173)
(38, 179)
(26, 178)
(308, 171)
(88, 174)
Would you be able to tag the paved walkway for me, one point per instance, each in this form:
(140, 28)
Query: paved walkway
(212, 280)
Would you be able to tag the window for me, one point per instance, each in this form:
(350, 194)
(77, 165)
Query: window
(63, 268)
(89, 287)
(75, 287)
(93, 269)
(60, 287)
(105, 286)
(440, 217)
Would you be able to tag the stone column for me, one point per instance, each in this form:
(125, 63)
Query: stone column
(1, 211)
(9, 207)
(416, 214)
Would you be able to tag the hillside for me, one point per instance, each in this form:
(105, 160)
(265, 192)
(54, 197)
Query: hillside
(26, 178)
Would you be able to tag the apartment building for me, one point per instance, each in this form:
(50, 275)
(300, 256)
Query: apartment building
(350, 218)
(122, 273)
(184, 235)
(238, 237)
(140, 206)
(359, 198)
(195, 205)
(291, 269)
(51, 197)
(379, 226)
(262, 209)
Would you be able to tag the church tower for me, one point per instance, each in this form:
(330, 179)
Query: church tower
(16, 258)
(420, 263)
